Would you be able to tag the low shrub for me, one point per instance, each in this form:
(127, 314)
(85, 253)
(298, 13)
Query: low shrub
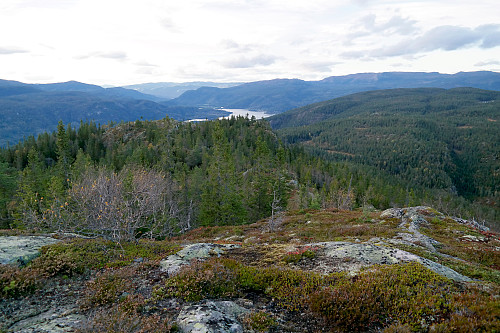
(107, 287)
(126, 317)
(472, 311)
(15, 281)
(216, 278)
(78, 255)
(209, 279)
(306, 252)
(405, 294)
(53, 262)
(259, 321)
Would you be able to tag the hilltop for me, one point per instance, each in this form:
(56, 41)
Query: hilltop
(401, 270)
(157, 226)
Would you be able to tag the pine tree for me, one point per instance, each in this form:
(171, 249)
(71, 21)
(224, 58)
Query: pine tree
(64, 158)
(222, 200)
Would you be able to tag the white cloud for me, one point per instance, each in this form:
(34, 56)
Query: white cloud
(129, 41)
(11, 50)
(247, 62)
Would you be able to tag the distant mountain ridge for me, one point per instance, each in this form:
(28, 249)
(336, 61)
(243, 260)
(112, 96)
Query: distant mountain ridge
(30, 109)
(170, 90)
(279, 95)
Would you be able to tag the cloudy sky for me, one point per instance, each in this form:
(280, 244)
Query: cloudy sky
(119, 42)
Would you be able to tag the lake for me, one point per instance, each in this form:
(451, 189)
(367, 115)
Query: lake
(245, 112)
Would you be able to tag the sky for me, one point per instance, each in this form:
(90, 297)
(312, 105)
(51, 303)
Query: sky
(121, 42)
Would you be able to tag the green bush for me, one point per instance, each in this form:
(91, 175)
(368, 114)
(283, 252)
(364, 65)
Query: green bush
(216, 278)
(209, 279)
(78, 255)
(405, 294)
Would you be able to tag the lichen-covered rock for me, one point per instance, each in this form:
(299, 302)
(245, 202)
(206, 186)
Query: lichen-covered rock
(210, 317)
(193, 251)
(416, 213)
(56, 320)
(21, 250)
(352, 257)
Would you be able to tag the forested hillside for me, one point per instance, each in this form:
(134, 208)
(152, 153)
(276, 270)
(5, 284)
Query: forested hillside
(435, 138)
(160, 178)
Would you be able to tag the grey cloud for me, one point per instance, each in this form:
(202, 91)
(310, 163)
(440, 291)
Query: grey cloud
(11, 50)
(491, 35)
(445, 37)
(169, 24)
(145, 64)
(440, 38)
(487, 63)
(320, 66)
(396, 24)
(354, 54)
(117, 55)
(399, 24)
(247, 62)
(230, 44)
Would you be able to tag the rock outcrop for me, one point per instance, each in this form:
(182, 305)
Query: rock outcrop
(352, 257)
(21, 250)
(209, 316)
(193, 251)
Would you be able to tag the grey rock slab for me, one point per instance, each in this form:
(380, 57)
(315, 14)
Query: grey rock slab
(174, 262)
(351, 257)
(22, 249)
(411, 220)
(209, 316)
(57, 320)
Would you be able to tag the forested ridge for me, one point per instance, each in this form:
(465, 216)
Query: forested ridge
(279, 95)
(161, 178)
(434, 138)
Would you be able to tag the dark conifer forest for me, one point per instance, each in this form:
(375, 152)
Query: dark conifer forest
(370, 150)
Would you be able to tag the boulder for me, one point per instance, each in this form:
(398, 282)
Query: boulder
(210, 316)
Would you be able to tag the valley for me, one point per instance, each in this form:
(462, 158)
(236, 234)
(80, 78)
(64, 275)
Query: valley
(376, 211)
